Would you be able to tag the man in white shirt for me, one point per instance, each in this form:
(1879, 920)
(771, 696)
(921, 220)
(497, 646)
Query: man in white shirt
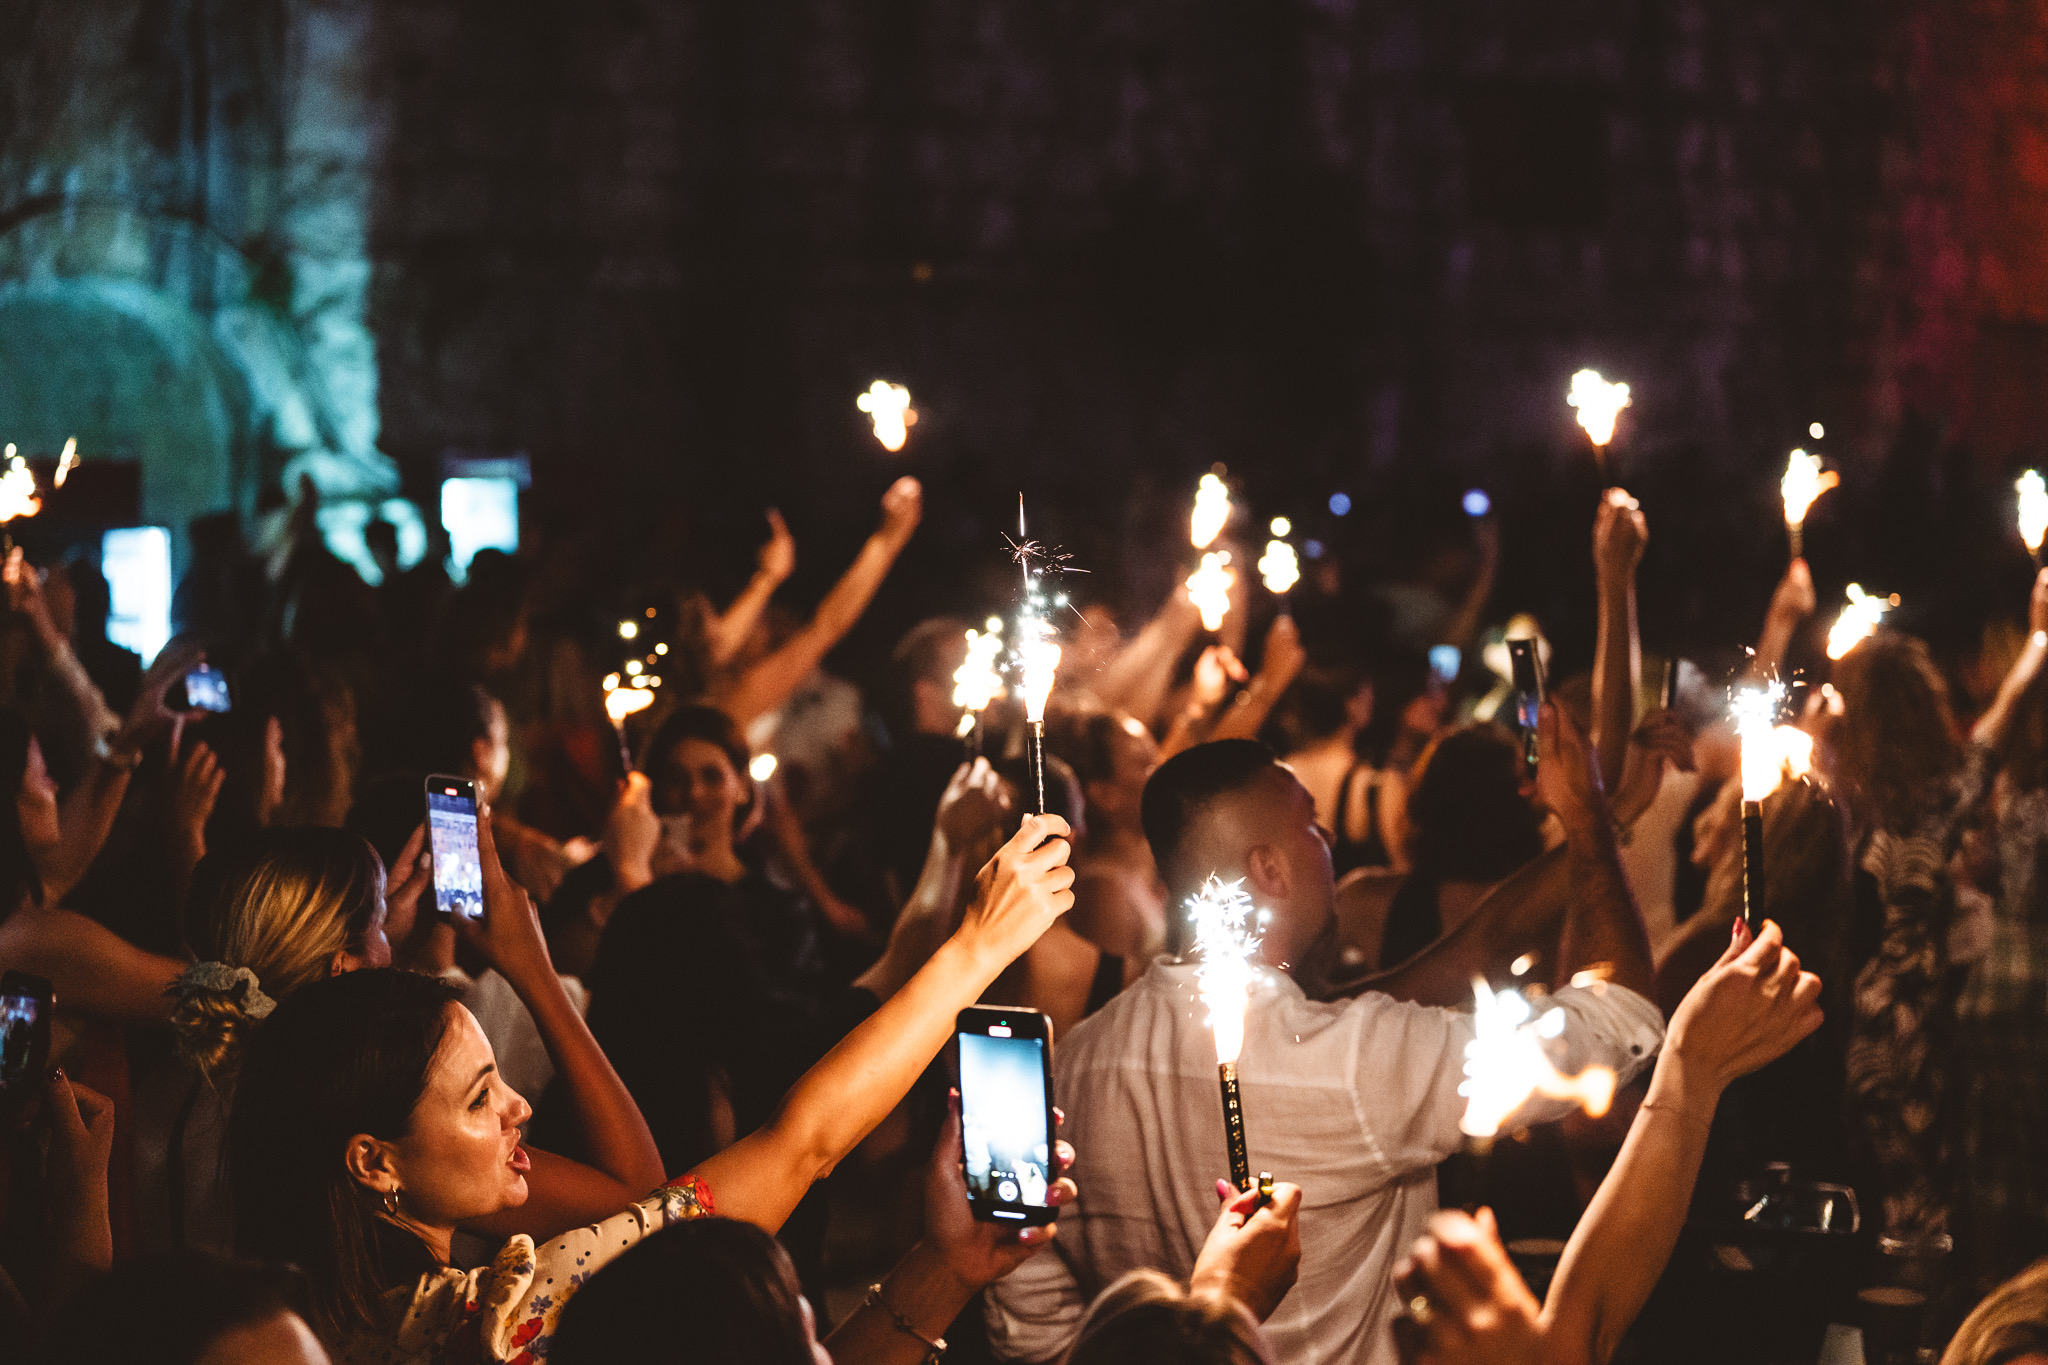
(1356, 1101)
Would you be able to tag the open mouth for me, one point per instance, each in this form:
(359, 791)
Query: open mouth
(520, 1161)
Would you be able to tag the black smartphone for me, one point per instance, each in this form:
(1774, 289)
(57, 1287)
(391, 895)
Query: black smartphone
(451, 833)
(1006, 1121)
(1526, 677)
(206, 689)
(25, 1004)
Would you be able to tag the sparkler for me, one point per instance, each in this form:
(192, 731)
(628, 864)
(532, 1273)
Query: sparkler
(1599, 403)
(621, 702)
(1505, 1063)
(66, 462)
(1226, 938)
(888, 407)
(1279, 568)
(2033, 512)
(976, 683)
(1036, 653)
(1209, 588)
(1212, 511)
(1859, 620)
(1769, 752)
(762, 768)
(18, 497)
(1803, 483)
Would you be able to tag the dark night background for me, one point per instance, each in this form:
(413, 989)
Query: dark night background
(1332, 244)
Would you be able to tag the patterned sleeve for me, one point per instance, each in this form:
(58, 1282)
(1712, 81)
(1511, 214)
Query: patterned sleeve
(520, 1297)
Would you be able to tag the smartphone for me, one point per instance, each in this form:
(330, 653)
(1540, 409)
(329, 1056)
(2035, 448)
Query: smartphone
(1526, 677)
(25, 1004)
(1667, 691)
(451, 833)
(206, 689)
(1444, 663)
(1006, 1122)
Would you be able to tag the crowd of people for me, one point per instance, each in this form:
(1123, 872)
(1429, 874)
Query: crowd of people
(681, 1086)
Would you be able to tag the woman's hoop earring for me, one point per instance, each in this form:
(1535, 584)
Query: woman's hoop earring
(391, 1202)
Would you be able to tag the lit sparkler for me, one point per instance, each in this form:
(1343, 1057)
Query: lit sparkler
(1212, 511)
(888, 407)
(1599, 404)
(1859, 620)
(1803, 483)
(1209, 588)
(977, 683)
(621, 702)
(1226, 939)
(1767, 755)
(18, 497)
(1505, 1063)
(1036, 652)
(1279, 567)
(762, 768)
(66, 462)
(2033, 512)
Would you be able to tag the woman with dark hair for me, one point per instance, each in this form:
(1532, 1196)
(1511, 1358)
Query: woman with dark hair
(370, 1124)
(1470, 824)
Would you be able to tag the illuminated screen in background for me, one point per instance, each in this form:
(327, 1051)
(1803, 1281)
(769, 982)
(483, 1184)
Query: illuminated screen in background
(1002, 1119)
(478, 514)
(137, 563)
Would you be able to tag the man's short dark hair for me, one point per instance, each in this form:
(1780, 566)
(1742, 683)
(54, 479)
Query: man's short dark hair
(1176, 793)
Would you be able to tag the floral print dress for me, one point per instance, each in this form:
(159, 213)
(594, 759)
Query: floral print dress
(507, 1311)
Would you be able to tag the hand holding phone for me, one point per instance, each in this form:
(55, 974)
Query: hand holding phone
(458, 860)
(1526, 677)
(206, 689)
(1006, 1118)
(25, 1008)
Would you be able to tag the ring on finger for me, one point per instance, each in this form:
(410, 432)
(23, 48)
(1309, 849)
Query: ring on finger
(1419, 1309)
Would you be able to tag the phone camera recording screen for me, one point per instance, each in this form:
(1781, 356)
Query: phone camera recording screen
(1002, 1121)
(17, 1038)
(206, 689)
(458, 866)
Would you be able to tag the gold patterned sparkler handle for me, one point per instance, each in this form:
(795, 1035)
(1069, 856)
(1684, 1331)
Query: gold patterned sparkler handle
(1233, 1126)
(1753, 865)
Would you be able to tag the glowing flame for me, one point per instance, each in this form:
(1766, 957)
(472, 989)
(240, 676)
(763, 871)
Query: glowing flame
(621, 702)
(1770, 752)
(976, 682)
(1037, 653)
(66, 462)
(888, 407)
(762, 768)
(1598, 402)
(1226, 939)
(18, 489)
(2033, 508)
(1209, 588)
(1282, 526)
(1859, 620)
(1804, 482)
(1279, 567)
(628, 629)
(1505, 1063)
(1212, 512)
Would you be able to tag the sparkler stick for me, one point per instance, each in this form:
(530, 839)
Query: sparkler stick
(1226, 938)
(1767, 753)
(66, 462)
(621, 702)
(2033, 512)
(1803, 483)
(18, 496)
(1037, 654)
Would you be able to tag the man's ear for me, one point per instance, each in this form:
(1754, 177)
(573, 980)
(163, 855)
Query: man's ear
(372, 1164)
(1266, 871)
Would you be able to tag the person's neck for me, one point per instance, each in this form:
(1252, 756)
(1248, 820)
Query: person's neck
(716, 859)
(436, 1240)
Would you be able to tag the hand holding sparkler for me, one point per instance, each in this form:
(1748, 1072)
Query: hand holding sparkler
(1253, 1254)
(1465, 1299)
(632, 832)
(902, 510)
(974, 805)
(1021, 891)
(1749, 1009)
(1620, 534)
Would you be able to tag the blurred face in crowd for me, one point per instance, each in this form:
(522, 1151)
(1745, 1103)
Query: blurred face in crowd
(696, 779)
(1133, 755)
(280, 1339)
(461, 1159)
(36, 805)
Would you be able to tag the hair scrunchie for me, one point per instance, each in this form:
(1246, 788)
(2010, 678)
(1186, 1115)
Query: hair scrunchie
(237, 982)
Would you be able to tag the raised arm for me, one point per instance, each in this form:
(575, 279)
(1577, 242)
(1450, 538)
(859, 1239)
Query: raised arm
(25, 594)
(1139, 678)
(1790, 605)
(835, 1104)
(1463, 622)
(771, 682)
(1991, 727)
(91, 969)
(1278, 667)
(777, 561)
(971, 813)
(1750, 1009)
(625, 1162)
(1619, 535)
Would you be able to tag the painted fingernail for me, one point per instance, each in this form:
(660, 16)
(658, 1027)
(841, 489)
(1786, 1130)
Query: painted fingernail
(56, 1073)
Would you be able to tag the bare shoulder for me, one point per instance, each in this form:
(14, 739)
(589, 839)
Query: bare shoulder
(1364, 898)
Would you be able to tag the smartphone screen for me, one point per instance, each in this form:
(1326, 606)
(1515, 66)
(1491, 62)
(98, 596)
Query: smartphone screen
(1006, 1122)
(1527, 681)
(206, 689)
(1444, 662)
(458, 863)
(24, 1031)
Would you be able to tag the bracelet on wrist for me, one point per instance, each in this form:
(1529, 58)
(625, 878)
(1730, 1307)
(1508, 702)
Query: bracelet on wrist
(935, 1347)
